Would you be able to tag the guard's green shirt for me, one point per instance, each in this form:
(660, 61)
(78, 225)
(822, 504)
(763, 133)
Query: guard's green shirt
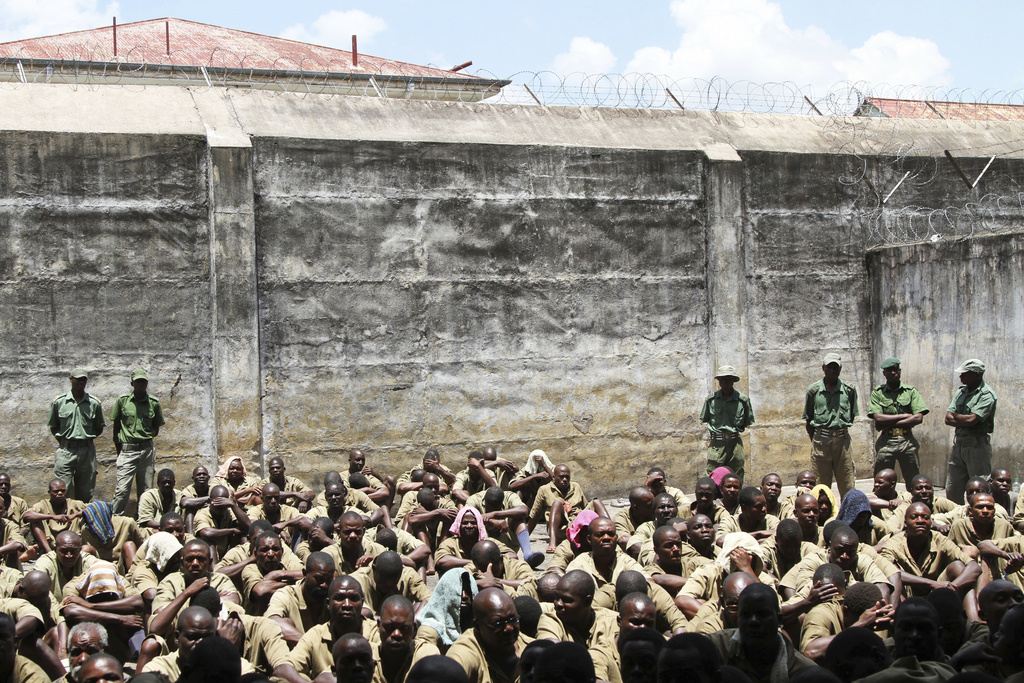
(902, 400)
(834, 409)
(731, 415)
(71, 419)
(138, 419)
(981, 402)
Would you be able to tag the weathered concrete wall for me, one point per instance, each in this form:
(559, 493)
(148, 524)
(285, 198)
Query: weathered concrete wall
(104, 246)
(419, 294)
(937, 305)
(306, 274)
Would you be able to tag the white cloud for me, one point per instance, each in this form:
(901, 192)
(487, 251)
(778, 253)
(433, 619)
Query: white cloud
(586, 56)
(887, 57)
(336, 28)
(20, 19)
(750, 40)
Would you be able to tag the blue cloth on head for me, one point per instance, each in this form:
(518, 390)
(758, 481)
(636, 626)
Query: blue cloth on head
(441, 612)
(854, 503)
(98, 516)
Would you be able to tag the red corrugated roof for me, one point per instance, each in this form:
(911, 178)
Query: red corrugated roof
(196, 44)
(960, 111)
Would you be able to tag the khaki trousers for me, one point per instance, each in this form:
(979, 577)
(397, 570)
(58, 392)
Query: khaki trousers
(832, 456)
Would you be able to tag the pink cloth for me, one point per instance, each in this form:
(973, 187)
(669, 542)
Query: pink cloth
(457, 524)
(580, 525)
(719, 474)
(222, 473)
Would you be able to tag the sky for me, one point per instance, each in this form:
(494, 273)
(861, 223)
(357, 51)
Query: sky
(809, 42)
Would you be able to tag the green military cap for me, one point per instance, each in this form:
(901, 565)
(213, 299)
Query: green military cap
(971, 365)
(832, 358)
(79, 373)
(890, 362)
(139, 374)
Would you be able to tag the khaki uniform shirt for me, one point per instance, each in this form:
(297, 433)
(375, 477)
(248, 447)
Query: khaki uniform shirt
(58, 577)
(824, 620)
(622, 563)
(941, 553)
(16, 510)
(169, 666)
(312, 654)
(652, 568)
(143, 577)
(204, 520)
(706, 582)
(450, 547)
(418, 650)
(344, 566)
(727, 415)
(470, 655)
(834, 409)
(264, 646)
(407, 543)
(138, 419)
(151, 507)
(174, 583)
(408, 504)
(291, 485)
(27, 671)
(125, 529)
(251, 575)
(71, 419)
(801, 577)
(548, 494)
(285, 513)
(707, 620)
(409, 584)
(669, 617)
(563, 555)
(940, 506)
(624, 525)
(909, 669)
(289, 603)
(509, 501)
(248, 482)
(731, 524)
(463, 482)
(243, 552)
(375, 483)
(981, 402)
(599, 640)
(515, 570)
(779, 566)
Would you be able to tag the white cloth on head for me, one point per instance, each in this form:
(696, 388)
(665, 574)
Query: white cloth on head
(160, 548)
(740, 539)
(531, 465)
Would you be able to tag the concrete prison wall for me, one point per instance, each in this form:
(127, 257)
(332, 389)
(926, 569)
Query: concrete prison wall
(305, 274)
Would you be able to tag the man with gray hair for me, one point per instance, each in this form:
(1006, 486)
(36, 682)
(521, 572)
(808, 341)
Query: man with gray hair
(84, 640)
(727, 413)
(972, 414)
(829, 410)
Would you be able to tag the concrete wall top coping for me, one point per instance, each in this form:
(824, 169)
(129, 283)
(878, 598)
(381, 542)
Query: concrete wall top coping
(231, 117)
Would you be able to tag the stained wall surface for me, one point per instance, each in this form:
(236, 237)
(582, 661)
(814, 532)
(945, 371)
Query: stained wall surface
(302, 275)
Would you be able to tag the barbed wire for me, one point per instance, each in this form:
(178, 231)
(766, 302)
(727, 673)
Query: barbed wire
(862, 121)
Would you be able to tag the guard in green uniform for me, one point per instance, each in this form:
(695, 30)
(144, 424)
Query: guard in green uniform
(829, 410)
(727, 413)
(972, 413)
(137, 419)
(76, 418)
(896, 409)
